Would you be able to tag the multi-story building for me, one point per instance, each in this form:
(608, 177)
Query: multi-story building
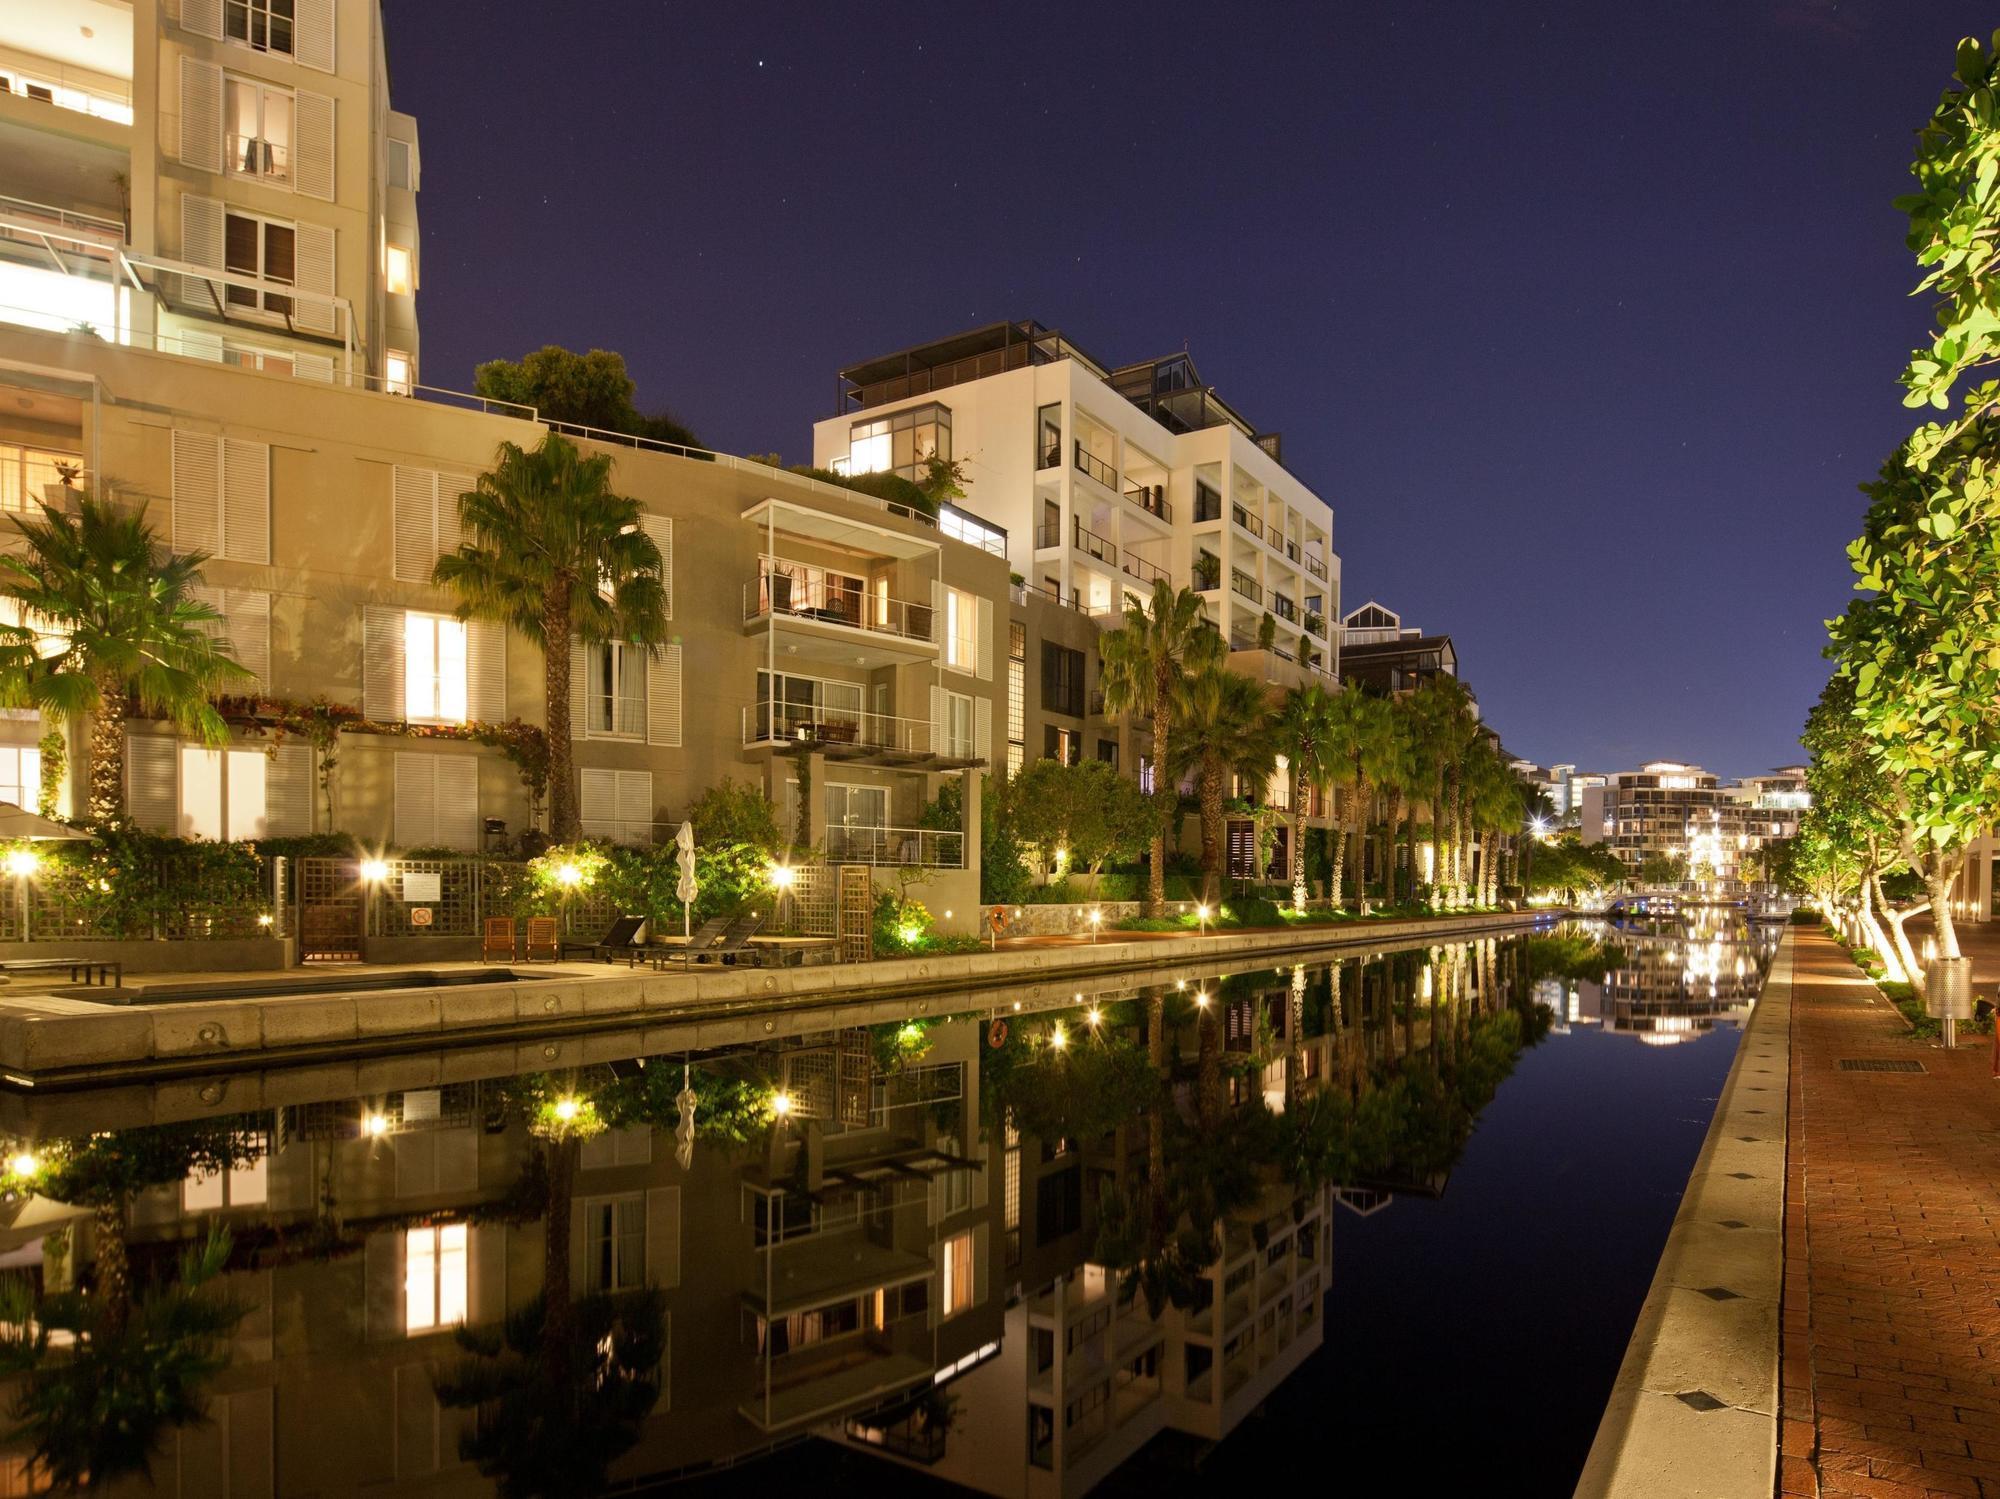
(1380, 653)
(1105, 480)
(1564, 786)
(1678, 811)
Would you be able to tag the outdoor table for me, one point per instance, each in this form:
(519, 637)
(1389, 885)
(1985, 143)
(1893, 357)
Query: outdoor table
(794, 949)
(94, 970)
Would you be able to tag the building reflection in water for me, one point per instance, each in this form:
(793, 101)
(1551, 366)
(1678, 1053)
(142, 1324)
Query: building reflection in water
(1679, 976)
(1009, 1247)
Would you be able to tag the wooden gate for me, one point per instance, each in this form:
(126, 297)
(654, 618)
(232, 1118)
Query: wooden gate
(857, 913)
(330, 910)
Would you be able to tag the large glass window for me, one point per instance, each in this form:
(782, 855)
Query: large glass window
(614, 1243)
(238, 1187)
(434, 1277)
(958, 724)
(222, 793)
(399, 270)
(259, 247)
(260, 130)
(21, 775)
(615, 693)
(434, 675)
(810, 706)
(961, 630)
(263, 24)
(849, 806)
(901, 442)
(1048, 437)
(958, 1275)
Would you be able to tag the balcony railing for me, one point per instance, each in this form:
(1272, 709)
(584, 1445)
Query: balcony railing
(1284, 608)
(1152, 498)
(1316, 625)
(1091, 544)
(1246, 585)
(1207, 504)
(1089, 463)
(253, 156)
(1247, 521)
(1144, 571)
(922, 848)
(1048, 534)
(1207, 573)
(807, 593)
(1022, 592)
(767, 722)
(963, 525)
(52, 83)
(1315, 567)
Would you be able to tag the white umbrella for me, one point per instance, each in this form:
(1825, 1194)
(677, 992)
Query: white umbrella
(684, 1129)
(684, 841)
(15, 823)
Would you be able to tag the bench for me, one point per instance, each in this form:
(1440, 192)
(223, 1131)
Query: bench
(94, 970)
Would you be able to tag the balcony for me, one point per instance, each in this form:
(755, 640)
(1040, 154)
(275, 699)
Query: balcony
(1247, 521)
(835, 607)
(1144, 571)
(1247, 586)
(853, 737)
(1284, 608)
(40, 82)
(1089, 463)
(921, 848)
(1207, 504)
(1207, 572)
(1152, 498)
(1315, 567)
(1091, 544)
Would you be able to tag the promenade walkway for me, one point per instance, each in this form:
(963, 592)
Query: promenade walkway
(1890, 1366)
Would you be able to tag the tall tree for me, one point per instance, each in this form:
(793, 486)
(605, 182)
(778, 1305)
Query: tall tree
(554, 553)
(1306, 730)
(1226, 730)
(1147, 662)
(116, 626)
(1441, 710)
(1364, 741)
(1397, 781)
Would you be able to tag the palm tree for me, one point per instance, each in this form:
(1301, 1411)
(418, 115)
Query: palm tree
(1307, 731)
(1446, 728)
(1495, 797)
(1226, 731)
(123, 629)
(1397, 778)
(1362, 737)
(1147, 662)
(554, 554)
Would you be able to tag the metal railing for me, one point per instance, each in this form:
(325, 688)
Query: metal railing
(1144, 571)
(1247, 521)
(1091, 544)
(1048, 534)
(767, 722)
(1316, 625)
(1284, 608)
(1244, 584)
(1089, 463)
(812, 594)
(1315, 567)
(52, 83)
(922, 848)
(28, 210)
(963, 525)
(253, 156)
(1152, 498)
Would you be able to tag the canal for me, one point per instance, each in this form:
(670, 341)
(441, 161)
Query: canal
(1393, 1213)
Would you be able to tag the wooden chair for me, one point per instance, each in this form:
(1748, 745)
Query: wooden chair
(499, 938)
(544, 939)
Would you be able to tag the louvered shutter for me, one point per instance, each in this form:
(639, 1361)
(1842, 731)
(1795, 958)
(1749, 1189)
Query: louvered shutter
(382, 1285)
(246, 501)
(313, 273)
(458, 800)
(197, 489)
(204, 17)
(312, 34)
(982, 728)
(382, 663)
(597, 801)
(485, 671)
(203, 232)
(201, 115)
(982, 648)
(416, 800)
(245, 628)
(152, 781)
(937, 744)
(312, 145)
(449, 488)
(288, 792)
(312, 367)
(635, 806)
(661, 529)
(414, 492)
(663, 1236)
(196, 344)
(937, 619)
(663, 697)
(579, 667)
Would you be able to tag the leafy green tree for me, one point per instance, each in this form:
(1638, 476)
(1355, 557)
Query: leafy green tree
(124, 630)
(1307, 730)
(1663, 869)
(1226, 731)
(554, 554)
(1362, 744)
(1147, 662)
(1087, 810)
(733, 813)
(587, 390)
(1444, 730)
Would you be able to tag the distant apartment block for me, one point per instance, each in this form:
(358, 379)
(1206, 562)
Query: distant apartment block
(1675, 810)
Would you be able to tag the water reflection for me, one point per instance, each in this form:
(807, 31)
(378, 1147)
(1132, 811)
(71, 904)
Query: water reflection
(1007, 1247)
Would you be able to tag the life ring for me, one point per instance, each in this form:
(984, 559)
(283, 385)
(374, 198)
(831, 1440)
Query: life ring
(996, 1033)
(997, 919)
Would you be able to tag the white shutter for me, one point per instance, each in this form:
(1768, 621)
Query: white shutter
(197, 490)
(201, 115)
(416, 800)
(663, 697)
(661, 529)
(203, 17)
(938, 731)
(414, 495)
(312, 34)
(152, 781)
(937, 611)
(312, 367)
(203, 233)
(663, 1236)
(635, 806)
(246, 501)
(458, 800)
(246, 626)
(288, 792)
(198, 344)
(313, 273)
(382, 663)
(579, 666)
(982, 649)
(597, 800)
(485, 671)
(982, 728)
(449, 487)
(312, 145)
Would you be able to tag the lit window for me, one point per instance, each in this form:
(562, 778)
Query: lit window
(222, 793)
(434, 668)
(260, 130)
(238, 1187)
(958, 725)
(614, 1243)
(400, 270)
(21, 776)
(434, 1277)
(396, 373)
(957, 1257)
(264, 24)
(961, 630)
(615, 689)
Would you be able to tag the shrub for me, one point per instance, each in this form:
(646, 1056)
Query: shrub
(733, 813)
(1251, 910)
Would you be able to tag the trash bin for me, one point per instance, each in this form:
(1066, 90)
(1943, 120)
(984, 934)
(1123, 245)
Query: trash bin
(1948, 989)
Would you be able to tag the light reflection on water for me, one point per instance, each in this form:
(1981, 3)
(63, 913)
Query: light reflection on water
(937, 1249)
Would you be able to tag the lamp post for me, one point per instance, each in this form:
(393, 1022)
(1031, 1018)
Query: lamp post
(1096, 918)
(22, 863)
(1201, 915)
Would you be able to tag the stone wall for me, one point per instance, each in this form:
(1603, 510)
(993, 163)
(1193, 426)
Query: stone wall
(1059, 921)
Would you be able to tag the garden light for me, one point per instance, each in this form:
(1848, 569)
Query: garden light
(781, 1104)
(909, 934)
(566, 1109)
(1094, 1016)
(1058, 1038)
(24, 1164)
(22, 862)
(265, 919)
(375, 1124)
(1201, 1000)
(374, 870)
(783, 876)
(569, 875)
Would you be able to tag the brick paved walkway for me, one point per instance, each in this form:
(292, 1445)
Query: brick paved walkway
(1891, 1326)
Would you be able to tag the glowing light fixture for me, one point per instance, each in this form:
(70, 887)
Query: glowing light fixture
(24, 1164)
(374, 871)
(783, 876)
(23, 862)
(569, 875)
(376, 1124)
(1094, 1016)
(781, 1104)
(1058, 1038)
(566, 1109)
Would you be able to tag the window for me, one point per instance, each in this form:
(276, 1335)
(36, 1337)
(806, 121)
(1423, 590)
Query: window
(811, 706)
(1065, 746)
(1207, 501)
(238, 1187)
(1146, 774)
(434, 1277)
(222, 793)
(1107, 751)
(397, 377)
(263, 24)
(953, 1190)
(1062, 679)
(855, 806)
(615, 694)
(259, 142)
(20, 775)
(1017, 696)
(900, 442)
(399, 271)
(402, 157)
(260, 247)
(617, 804)
(614, 1243)
(26, 471)
(958, 724)
(434, 674)
(1048, 439)
(957, 1289)
(961, 629)
(1058, 1205)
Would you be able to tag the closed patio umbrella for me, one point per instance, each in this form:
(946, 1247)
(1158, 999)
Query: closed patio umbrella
(15, 823)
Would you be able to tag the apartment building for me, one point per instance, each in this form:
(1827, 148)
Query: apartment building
(1382, 654)
(1563, 784)
(1106, 479)
(1680, 811)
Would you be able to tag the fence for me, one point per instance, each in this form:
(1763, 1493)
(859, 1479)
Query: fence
(164, 900)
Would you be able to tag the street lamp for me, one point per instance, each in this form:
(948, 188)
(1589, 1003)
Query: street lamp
(1095, 918)
(22, 863)
(1201, 914)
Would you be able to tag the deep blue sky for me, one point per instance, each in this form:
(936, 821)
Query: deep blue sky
(1585, 317)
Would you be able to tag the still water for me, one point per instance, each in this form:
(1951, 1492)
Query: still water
(1183, 1231)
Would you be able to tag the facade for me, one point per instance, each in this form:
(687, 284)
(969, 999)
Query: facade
(1564, 785)
(1379, 653)
(1678, 811)
(1106, 479)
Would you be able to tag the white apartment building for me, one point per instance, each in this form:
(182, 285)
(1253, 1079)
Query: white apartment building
(217, 178)
(1105, 478)
(1680, 811)
(1564, 785)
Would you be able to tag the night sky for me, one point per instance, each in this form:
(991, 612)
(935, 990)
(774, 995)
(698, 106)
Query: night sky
(1585, 317)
